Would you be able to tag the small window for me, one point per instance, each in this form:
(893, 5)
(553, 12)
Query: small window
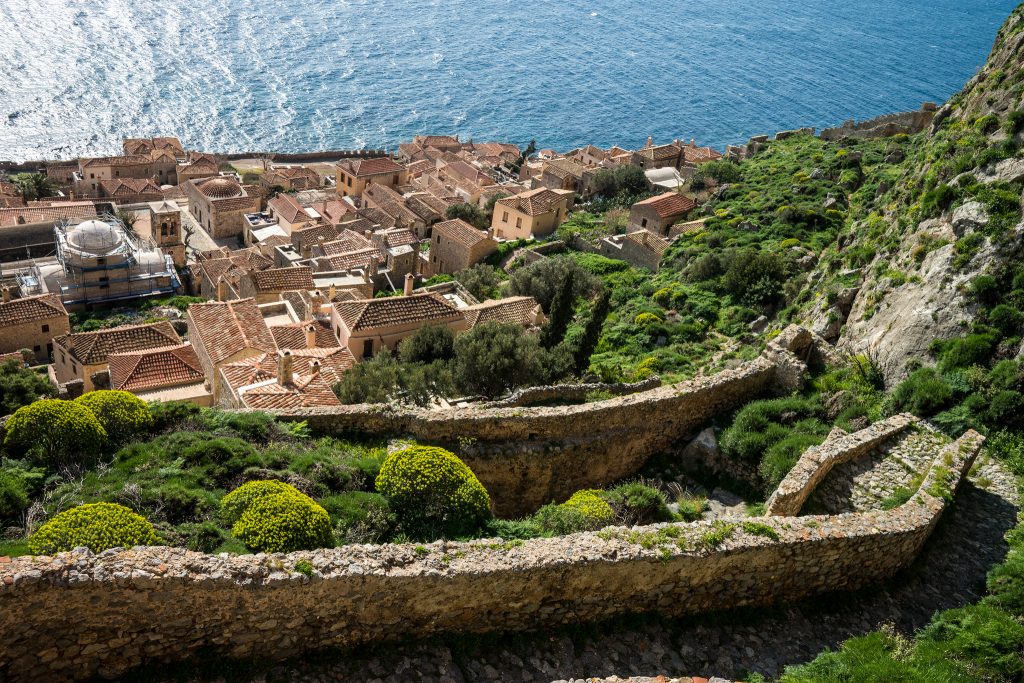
(394, 180)
(368, 348)
(46, 328)
(92, 176)
(643, 223)
(504, 216)
(101, 261)
(37, 348)
(74, 368)
(519, 222)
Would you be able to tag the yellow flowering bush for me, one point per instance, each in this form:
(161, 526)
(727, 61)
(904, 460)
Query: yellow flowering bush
(592, 506)
(433, 493)
(644, 319)
(238, 501)
(283, 523)
(121, 413)
(275, 517)
(58, 433)
(97, 526)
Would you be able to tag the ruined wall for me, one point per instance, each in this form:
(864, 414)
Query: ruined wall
(80, 615)
(571, 392)
(527, 457)
(817, 461)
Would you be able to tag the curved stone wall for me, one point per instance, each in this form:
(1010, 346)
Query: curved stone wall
(79, 615)
(527, 457)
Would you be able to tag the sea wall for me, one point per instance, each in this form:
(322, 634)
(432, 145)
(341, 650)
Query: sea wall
(887, 125)
(80, 615)
(527, 457)
(817, 461)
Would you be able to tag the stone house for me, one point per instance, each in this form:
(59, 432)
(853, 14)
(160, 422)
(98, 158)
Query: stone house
(92, 172)
(365, 327)
(171, 145)
(219, 204)
(83, 355)
(289, 213)
(520, 310)
(197, 169)
(165, 224)
(564, 174)
(675, 155)
(167, 373)
(286, 379)
(353, 175)
(224, 332)
(641, 248)
(267, 285)
(27, 232)
(531, 214)
(291, 178)
(456, 245)
(131, 190)
(392, 203)
(31, 323)
(660, 212)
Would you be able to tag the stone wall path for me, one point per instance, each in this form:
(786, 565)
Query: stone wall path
(950, 572)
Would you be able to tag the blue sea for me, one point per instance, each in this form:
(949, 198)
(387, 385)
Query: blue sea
(231, 75)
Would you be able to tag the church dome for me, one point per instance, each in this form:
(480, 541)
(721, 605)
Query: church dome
(221, 188)
(94, 237)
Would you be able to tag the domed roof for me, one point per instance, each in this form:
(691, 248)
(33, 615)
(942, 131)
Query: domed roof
(221, 188)
(94, 237)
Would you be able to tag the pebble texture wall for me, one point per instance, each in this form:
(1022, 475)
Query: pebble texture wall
(527, 457)
(79, 615)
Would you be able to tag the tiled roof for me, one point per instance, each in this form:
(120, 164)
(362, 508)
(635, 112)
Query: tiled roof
(437, 141)
(292, 173)
(563, 168)
(354, 259)
(227, 327)
(155, 368)
(29, 308)
(168, 142)
(534, 202)
(45, 214)
(255, 379)
(377, 217)
(460, 231)
(293, 336)
(697, 155)
(164, 155)
(669, 204)
(689, 226)
(281, 279)
(362, 168)
(648, 240)
(334, 209)
(395, 237)
(660, 152)
(395, 310)
(288, 208)
(127, 160)
(128, 187)
(418, 168)
(200, 167)
(521, 310)
(347, 240)
(312, 234)
(91, 348)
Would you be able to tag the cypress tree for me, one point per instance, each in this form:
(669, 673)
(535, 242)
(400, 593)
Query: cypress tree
(592, 332)
(561, 314)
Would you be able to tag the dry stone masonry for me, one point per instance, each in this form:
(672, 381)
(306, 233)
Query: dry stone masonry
(78, 615)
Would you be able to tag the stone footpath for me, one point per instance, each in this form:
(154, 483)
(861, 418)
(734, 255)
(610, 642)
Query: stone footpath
(950, 572)
(863, 484)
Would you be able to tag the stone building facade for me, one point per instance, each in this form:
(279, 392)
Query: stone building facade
(31, 323)
(220, 203)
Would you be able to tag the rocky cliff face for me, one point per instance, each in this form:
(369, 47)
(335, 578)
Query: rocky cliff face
(953, 215)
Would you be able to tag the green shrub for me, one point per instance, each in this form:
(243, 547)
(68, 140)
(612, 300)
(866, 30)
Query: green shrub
(937, 200)
(781, 456)
(167, 414)
(433, 492)
(202, 537)
(559, 520)
(20, 386)
(57, 433)
(761, 424)
(637, 504)
(283, 523)
(13, 494)
(1014, 122)
(974, 349)
(692, 508)
(923, 393)
(97, 526)
(1006, 319)
(594, 508)
(122, 414)
(427, 344)
(234, 504)
(988, 640)
(360, 517)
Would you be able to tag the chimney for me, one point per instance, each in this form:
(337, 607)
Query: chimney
(307, 250)
(409, 282)
(676, 142)
(332, 292)
(371, 267)
(222, 289)
(693, 143)
(284, 367)
(310, 331)
(314, 367)
(650, 141)
(7, 294)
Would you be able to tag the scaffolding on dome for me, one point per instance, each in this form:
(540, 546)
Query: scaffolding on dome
(102, 261)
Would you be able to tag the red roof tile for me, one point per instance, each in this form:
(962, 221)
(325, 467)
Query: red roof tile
(166, 366)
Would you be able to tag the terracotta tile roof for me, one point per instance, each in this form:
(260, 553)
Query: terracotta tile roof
(199, 167)
(130, 187)
(496, 149)
(175, 193)
(255, 379)
(287, 207)
(137, 145)
(522, 310)
(698, 155)
(418, 168)
(282, 279)
(226, 327)
(292, 173)
(427, 207)
(437, 141)
(127, 160)
(359, 225)
(275, 241)
(155, 368)
(462, 232)
(669, 204)
(689, 226)
(661, 152)
(250, 258)
(354, 259)
(168, 142)
(46, 214)
(90, 348)
(395, 237)
(377, 217)
(395, 310)
(391, 203)
(313, 233)
(334, 210)
(361, 168)
(564, 168)
(29, 308)
(163, 155)
(293, 336)
(347, 240)
(534, 202)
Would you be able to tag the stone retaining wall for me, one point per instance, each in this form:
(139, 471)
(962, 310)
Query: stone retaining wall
(817, 461)
(79, 615)
(527, 457)
(571, 392)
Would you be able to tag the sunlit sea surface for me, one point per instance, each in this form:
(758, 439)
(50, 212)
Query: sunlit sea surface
(235, 75)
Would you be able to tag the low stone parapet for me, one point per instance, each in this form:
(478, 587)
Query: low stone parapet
(79, 615)
(817, 461)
